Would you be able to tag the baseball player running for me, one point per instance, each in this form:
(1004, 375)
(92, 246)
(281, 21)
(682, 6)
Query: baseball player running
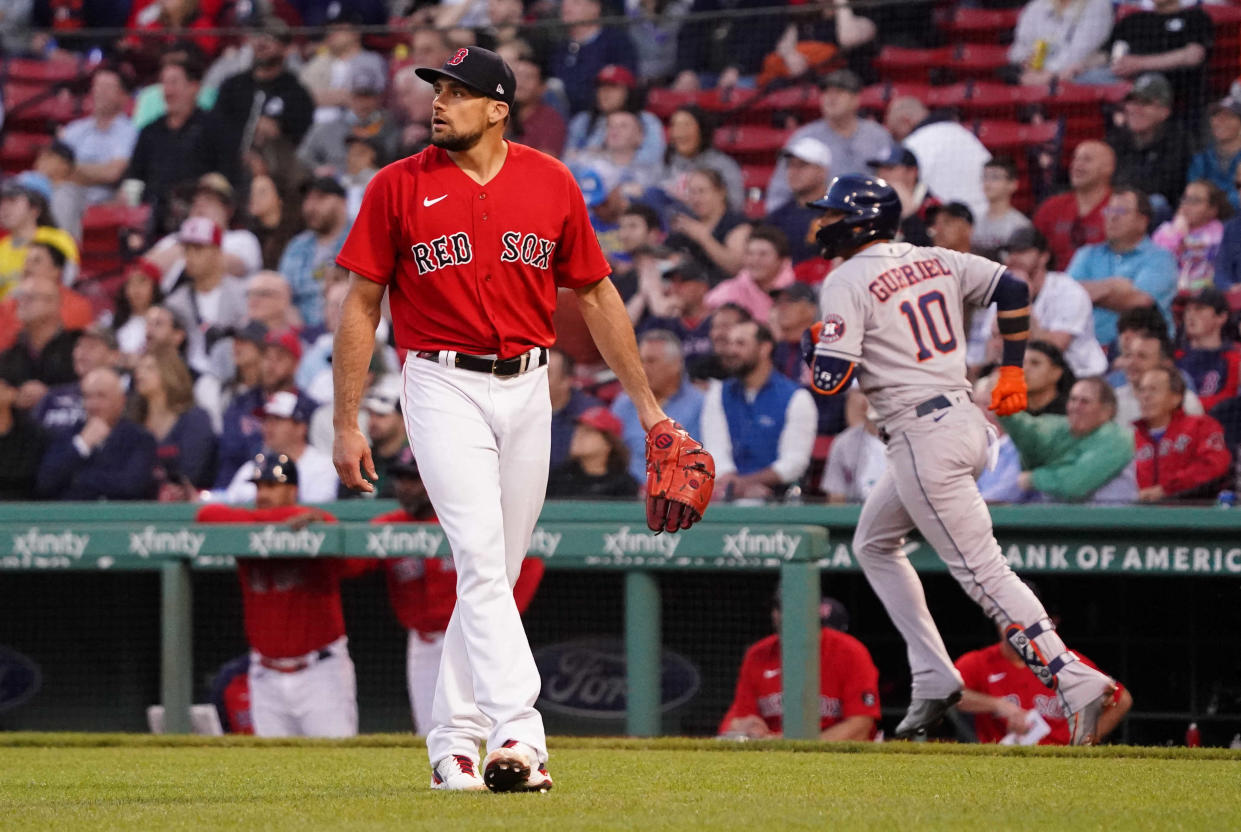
(893, 315)
(472, 237)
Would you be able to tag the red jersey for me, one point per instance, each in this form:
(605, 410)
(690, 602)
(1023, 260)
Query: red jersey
(849, 682)
(1066, 232)
(1188, 460)
(291, 605)
(423, 591)
(989, 671)
(469, 267)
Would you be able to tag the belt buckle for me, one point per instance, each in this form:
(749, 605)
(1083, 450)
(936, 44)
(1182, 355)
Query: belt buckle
(525, 362)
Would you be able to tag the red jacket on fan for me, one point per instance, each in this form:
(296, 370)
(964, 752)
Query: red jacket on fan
(291, 605)
(423, 591)
(989, 671)
(848, 682)
(1188, 460)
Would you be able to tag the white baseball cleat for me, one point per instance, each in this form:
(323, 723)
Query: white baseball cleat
(457, 773)
(512, 768)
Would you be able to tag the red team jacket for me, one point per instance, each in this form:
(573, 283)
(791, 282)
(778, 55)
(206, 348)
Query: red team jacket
(423, 591)
(291, 605)
(988, 671)
(849, 683)
(1190, 456)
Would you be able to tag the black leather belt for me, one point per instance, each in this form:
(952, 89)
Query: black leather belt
(932, 405)
(502, 367)
(929, 406)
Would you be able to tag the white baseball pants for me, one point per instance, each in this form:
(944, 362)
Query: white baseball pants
(482, 444)
(930, 484)
(422, 668)
(320, 701)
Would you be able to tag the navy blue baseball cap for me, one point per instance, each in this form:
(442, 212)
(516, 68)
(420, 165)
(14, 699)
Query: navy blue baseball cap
(480, 69)
(274, 468)
(898, 156)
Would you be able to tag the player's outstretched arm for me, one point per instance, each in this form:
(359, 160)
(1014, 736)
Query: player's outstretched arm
(351, 354)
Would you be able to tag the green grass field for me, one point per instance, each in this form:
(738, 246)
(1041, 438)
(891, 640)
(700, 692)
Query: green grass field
(72, 781)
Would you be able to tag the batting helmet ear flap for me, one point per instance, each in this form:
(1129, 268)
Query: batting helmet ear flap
(871, 208)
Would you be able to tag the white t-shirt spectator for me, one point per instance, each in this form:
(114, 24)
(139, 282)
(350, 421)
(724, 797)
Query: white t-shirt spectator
(1062, 306)
(855, 463)
(950, 162)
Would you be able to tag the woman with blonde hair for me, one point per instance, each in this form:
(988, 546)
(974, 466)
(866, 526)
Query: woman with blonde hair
(185, 442)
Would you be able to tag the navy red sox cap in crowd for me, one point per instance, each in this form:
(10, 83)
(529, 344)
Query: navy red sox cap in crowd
(274, 468)
(479, 69)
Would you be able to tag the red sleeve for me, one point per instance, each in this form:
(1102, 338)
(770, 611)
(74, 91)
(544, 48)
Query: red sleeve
(973, 671)
(231, 514)
(859, 692)
(527, 582)
(745, 699)
(1208, 458)
(579, 259)
(369, 249)
(398, 516)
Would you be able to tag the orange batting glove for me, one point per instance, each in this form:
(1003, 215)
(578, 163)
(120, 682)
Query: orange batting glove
(1009, 395)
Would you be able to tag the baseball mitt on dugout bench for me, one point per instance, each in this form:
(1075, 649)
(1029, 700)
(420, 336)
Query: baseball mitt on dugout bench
(680, 476)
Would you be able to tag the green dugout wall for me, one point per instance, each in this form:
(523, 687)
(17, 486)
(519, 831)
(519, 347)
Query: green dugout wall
(800, 543)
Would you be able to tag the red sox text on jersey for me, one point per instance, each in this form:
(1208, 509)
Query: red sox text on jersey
(455, 250)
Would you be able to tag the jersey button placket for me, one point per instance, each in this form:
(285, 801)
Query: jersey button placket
(480, 235)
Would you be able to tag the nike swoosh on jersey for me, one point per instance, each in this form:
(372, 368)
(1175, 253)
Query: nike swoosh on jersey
(767, 674)
(427, 203)
(995, 677)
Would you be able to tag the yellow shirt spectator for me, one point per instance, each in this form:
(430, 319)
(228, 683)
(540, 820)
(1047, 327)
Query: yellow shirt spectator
(13, 255)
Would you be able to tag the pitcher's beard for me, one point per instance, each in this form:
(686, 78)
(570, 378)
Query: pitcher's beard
(456, 142)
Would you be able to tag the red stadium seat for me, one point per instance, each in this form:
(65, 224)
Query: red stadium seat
(756, 176)
(751, 144)
(19, 150)
(979, 60)
(47, 72)
(663, 102)
(980, 25)
(103, 226)
(1013, 137)
(800, 102)
(1084, 109)
(1001, 101)
(875, 98)
(35, 105)
(896, 63)
(727, 99)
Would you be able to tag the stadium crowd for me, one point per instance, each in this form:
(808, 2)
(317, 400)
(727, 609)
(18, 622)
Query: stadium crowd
(175, 199)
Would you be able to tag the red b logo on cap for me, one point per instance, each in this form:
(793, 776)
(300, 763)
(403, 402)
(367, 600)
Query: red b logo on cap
(459, 57)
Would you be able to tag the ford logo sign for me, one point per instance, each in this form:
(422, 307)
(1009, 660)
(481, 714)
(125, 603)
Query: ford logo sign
(20, 678)
(587, 678)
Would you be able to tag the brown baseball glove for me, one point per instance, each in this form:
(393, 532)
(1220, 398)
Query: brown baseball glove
(680, 476)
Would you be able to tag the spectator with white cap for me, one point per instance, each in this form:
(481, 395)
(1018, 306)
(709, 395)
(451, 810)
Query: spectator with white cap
(285, 417)
(851, 139)
(211, 303)
(807, 163)
(213, 198)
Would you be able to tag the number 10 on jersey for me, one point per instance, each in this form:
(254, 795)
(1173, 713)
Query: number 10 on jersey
(925, 304)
